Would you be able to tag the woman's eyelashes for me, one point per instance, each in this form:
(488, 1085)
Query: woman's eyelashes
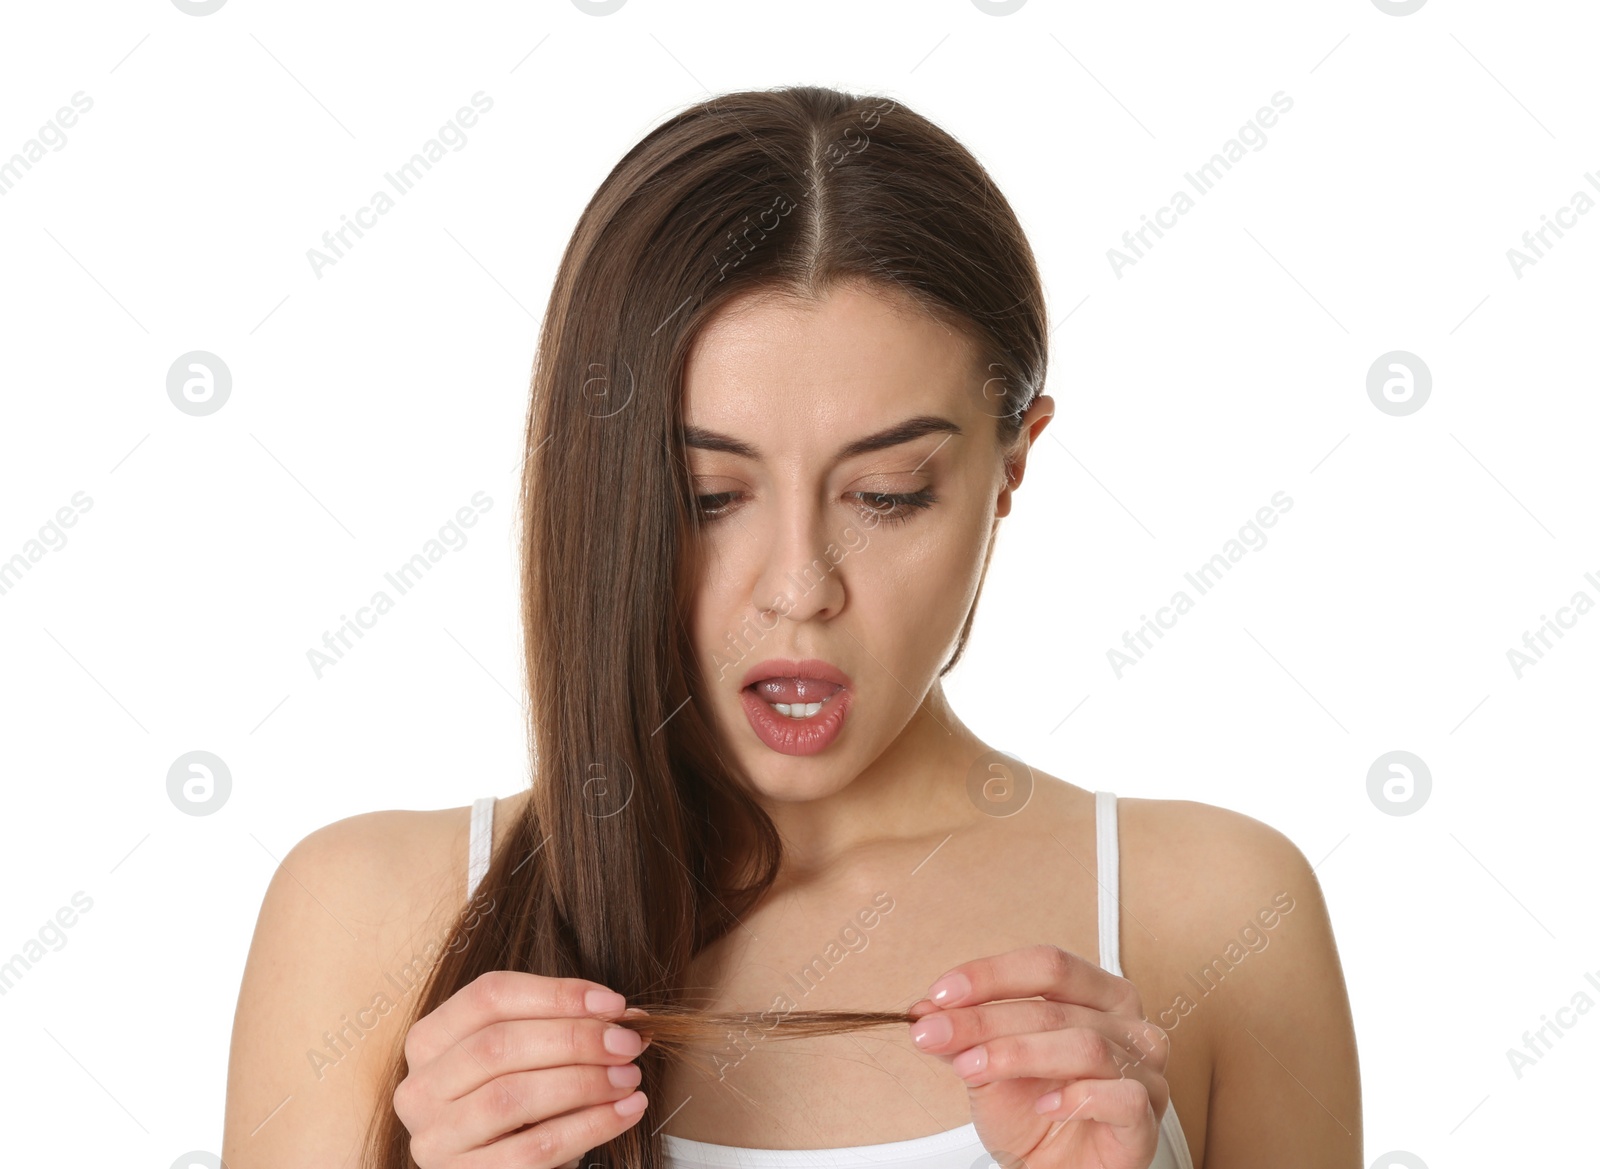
(890, 508)
(712, 506)
(883, 507)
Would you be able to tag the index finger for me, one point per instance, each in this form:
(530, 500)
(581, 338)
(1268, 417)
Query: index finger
(499, 995)
(1032, 971)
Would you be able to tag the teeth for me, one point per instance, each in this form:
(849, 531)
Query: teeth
(796, 709)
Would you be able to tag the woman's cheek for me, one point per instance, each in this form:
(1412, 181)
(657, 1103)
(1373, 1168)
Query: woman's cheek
(943, 573)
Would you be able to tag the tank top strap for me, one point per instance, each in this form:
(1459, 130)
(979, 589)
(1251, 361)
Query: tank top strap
(1106, 862)
(479, 840)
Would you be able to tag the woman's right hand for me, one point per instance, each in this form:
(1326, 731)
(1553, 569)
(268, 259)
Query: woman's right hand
(509, 1050)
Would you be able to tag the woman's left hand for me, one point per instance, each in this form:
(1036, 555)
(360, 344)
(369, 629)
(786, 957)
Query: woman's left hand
(1084, 1052)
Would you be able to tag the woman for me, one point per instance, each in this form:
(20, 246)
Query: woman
(786, 387)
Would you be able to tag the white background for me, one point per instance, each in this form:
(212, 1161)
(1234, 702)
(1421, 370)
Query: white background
(1229, 363)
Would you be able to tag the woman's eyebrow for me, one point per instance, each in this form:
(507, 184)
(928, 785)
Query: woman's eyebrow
(912, 428)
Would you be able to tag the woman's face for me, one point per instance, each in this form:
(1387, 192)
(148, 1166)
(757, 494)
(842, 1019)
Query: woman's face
(845, 459)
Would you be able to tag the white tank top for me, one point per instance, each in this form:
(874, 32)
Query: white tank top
(955, 1148)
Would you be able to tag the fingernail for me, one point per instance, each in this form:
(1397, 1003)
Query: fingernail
(602, 1002)
(970, 1061)
(622, 1041)
(624, 1075)
(1049, 1102)
(950, 989)
(631, 1105)
(933, 1030)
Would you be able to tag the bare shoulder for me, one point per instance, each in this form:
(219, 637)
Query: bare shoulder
(1215, 887)
(346, 931)
(1235, 939)
(1199, 855)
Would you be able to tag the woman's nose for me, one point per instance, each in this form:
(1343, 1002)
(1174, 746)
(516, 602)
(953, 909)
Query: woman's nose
(802, 557)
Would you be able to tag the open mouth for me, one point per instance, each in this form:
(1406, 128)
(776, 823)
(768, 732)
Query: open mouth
(795, 698)
(796, 716)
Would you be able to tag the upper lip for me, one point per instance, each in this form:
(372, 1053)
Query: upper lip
(788, 668)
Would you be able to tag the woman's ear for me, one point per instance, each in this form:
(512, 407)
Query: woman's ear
(1016, 461)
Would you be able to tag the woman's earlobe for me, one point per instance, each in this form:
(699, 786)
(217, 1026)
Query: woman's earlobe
(1002, 503)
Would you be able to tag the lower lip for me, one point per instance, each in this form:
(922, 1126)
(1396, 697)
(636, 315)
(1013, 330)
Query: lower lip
(797, 736)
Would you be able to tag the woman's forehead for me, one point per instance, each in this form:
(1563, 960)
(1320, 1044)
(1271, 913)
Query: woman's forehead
(839, 364)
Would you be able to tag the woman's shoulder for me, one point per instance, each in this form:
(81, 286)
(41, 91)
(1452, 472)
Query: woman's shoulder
(1226, 933)
(1195, 880)
(1178, 833)
(402, 851)
(1238, 952)
(371, 865)
(1164, 844)
(1200, 874)
(348, 921)
(1227, 915)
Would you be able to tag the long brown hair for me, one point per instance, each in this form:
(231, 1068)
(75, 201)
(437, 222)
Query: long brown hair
(639, 846)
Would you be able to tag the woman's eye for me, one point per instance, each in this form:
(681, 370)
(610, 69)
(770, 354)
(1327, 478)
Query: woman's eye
(890, 508)
(712, 506)
(886, 507)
